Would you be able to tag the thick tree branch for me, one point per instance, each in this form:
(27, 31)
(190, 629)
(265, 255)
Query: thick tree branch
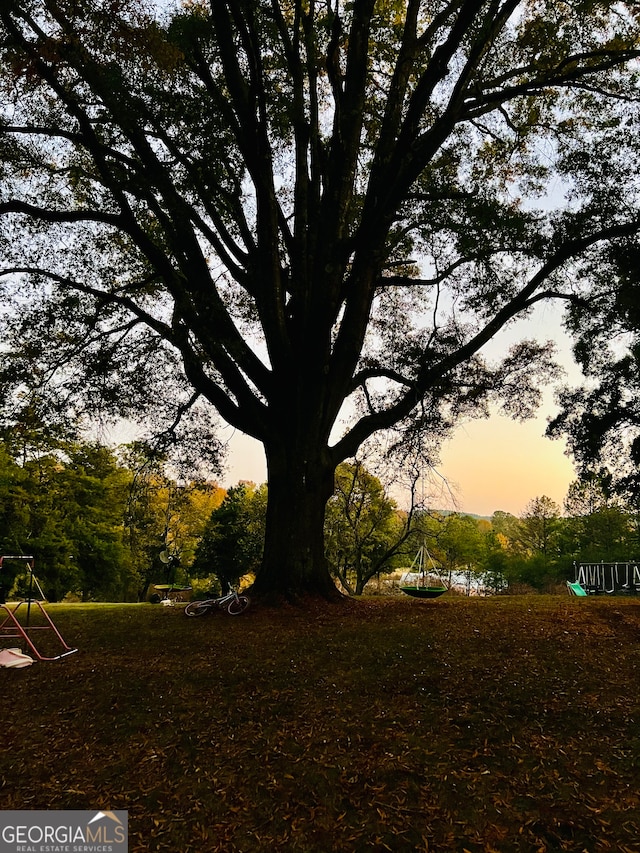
(432, 374)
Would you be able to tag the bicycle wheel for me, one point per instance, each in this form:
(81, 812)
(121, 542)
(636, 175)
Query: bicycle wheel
(197, 608)
(238, 605)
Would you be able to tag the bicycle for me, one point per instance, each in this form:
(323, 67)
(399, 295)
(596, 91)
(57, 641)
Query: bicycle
(232, 602)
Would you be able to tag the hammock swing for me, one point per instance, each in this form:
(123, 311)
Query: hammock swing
(422, 588)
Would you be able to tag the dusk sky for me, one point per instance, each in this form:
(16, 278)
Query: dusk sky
(501, 464)
(498, 464)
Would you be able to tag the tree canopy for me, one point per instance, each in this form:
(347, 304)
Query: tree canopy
(310, 218)
(601, 418)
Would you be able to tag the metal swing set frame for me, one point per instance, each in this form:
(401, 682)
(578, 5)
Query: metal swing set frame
(12, 627)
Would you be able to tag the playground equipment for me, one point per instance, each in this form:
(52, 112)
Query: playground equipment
(610, 578)
(576, 589)
(422, 587)
(17, 622)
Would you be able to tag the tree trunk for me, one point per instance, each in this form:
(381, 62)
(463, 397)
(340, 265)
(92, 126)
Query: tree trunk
(300, 484)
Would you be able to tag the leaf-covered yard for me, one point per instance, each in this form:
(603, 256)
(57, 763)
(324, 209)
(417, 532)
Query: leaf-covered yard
(505, 724)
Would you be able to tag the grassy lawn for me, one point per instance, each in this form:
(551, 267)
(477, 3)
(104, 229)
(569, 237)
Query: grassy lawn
(504, 724)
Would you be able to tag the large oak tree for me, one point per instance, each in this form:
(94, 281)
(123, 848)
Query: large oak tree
(313, 215)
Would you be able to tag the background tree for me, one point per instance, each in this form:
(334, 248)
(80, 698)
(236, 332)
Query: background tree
(92, 489)
(363, 529)
(165, 518)
(540, 543)
(44, 535)
(597, 526)
(459, 546)
(193, 503)
(96, 526)
(540, 525)
(506, 527)
(233, 538)
(13, 502)
(147, 517)
(496, 562)
(272, 209)
(66, 509)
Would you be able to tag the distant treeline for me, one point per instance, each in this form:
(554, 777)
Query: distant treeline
(104, 523)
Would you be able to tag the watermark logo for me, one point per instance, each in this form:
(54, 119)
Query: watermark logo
(64, 832)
